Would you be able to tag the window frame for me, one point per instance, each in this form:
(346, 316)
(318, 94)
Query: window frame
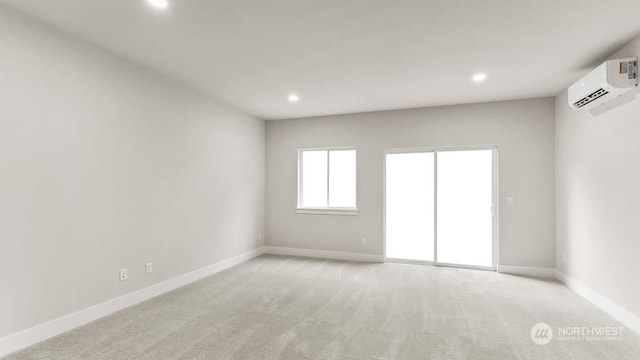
(328, 210)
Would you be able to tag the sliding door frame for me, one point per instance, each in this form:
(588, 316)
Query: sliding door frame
(494, 209)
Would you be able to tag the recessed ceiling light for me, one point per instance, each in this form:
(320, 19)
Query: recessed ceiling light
(159, 4)
(293, 98)
(478, 78)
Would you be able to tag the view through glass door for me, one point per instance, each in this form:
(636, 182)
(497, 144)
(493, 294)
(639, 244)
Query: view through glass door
(439, 206)
(410, 202)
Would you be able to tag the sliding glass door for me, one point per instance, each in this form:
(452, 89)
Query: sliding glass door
(439, 206)
(410, 200)
(465, 207)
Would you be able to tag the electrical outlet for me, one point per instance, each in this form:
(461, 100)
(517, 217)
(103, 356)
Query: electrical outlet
(511, 200)
(363, 241)
(124, 274)
(149, 268)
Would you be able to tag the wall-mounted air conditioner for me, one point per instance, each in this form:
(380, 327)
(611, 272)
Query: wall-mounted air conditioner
(608, 81)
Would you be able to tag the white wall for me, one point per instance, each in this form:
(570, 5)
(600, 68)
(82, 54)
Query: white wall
(103, 165)
(598, 196)
(523, 131)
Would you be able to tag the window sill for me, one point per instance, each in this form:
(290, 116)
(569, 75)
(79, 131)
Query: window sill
(343, 212)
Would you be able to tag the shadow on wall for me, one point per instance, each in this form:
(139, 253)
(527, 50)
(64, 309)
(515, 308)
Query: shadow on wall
(623, 99)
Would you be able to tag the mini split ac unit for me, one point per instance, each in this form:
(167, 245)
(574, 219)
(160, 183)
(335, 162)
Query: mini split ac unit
(608, 81)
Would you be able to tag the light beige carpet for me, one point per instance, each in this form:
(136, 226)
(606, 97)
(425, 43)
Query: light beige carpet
(296, 308)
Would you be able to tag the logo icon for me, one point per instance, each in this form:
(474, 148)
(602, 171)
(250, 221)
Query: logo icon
(541, 334)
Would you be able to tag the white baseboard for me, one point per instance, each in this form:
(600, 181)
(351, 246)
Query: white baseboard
(616, 311)
(36, 334)
(531, 271)
(324, 254)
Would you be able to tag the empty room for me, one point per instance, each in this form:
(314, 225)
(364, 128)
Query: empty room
(326, 180)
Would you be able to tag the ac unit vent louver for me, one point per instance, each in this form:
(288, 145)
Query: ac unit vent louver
(590, 98)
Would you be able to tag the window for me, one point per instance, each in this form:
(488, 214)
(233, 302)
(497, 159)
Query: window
(327, 181)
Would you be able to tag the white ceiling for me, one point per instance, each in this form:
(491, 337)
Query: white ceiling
(345, 56)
